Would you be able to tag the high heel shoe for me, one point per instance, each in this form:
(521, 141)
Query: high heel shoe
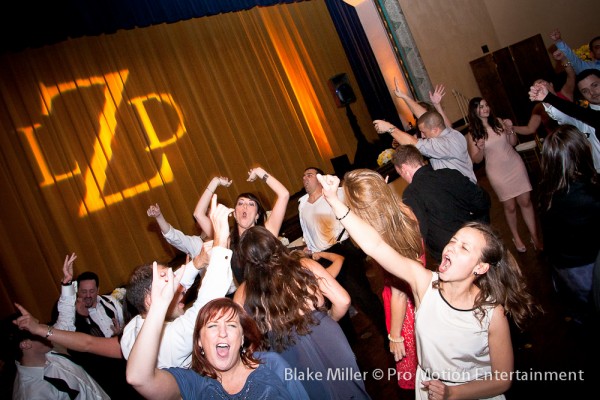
(519, 249)
(534, 246)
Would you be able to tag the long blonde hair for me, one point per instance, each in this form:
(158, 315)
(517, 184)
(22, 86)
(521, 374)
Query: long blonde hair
(370, 197)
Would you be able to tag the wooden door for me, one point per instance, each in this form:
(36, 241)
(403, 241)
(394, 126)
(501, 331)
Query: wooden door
(505, 76)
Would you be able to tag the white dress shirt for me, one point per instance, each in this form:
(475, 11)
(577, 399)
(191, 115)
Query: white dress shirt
(176, 338)
(30, 384)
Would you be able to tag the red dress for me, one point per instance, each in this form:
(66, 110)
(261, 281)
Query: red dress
(407, 367)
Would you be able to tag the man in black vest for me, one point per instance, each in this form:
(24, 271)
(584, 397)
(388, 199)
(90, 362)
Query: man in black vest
(82, 309)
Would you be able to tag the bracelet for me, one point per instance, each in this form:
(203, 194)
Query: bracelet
(49, 331)
(265, 177)
(393, 340)
(567, 64)
(345, 215)
(392, 129)
(212, 191)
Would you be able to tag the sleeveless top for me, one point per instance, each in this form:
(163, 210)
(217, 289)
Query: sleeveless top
(452, 344)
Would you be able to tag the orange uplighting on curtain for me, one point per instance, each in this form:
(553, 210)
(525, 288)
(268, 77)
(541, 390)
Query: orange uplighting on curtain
(93, 130)
(295, 68)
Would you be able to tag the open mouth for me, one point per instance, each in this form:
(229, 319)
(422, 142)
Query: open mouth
(446, 263)
(222, 349)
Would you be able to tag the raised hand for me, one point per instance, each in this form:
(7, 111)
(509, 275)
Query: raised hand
(330, 184)
(399, 93)
(257, 172)
(219, 217)
(438, 94)
(27, 321)
(68, 268)
(154, 211)
(555, 35)
(382, 126)
(538, 92)
(164, 285)
(224, 181)
(202, 259)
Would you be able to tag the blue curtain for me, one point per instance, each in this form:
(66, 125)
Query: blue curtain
(27, 23)
(364, 65)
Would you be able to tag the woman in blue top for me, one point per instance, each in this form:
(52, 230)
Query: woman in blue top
(224, 365)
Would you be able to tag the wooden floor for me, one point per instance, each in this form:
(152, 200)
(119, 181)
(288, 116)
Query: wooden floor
(552, 344)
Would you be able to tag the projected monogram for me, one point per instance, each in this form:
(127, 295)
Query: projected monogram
(94, 176)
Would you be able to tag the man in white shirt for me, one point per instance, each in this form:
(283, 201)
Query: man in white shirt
(44, 374)
(588, 83)
(98, 315)
(176, 344)
(323, 232)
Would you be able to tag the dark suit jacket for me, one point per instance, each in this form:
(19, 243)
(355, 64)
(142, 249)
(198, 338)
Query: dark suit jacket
(443, 200)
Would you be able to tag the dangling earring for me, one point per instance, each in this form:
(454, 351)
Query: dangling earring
(243, 350)
(201, 351)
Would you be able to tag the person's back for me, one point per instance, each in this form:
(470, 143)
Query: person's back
(443, 200)
(286, 295)
(323, 232)
(570, 208)
(446, 199)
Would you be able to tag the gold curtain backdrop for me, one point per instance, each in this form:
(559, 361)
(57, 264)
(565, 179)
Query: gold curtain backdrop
(94, 130)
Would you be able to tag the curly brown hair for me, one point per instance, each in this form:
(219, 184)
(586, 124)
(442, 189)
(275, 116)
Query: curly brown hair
(280, 293)
(224, 307)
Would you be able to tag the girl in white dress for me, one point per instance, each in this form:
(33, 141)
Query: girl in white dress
(463, 338)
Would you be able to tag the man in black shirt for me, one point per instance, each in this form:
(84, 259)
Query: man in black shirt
(443, 200)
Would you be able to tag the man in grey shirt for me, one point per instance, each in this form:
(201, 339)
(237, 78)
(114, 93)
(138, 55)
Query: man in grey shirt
(445, 147)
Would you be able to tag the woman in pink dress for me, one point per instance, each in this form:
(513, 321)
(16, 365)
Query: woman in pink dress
(493, 139)
(369, 196)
